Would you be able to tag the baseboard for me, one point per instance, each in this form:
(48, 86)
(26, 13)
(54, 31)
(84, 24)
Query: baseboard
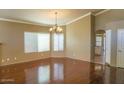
(107, 64)
(21, 62)
(98, 63)
(75, 59)
(57, 57)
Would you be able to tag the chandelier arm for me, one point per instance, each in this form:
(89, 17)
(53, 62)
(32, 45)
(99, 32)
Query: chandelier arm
(56, 18)
(56, 28)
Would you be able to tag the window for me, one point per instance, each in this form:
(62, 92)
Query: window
(98, 41)
(59, 42)
(30, 42)
(43, 42)
(36, 42)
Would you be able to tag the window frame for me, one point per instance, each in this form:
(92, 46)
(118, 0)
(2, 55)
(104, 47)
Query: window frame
(59, 49)
(36, 50)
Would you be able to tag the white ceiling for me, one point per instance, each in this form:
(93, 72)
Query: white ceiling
(45, 16)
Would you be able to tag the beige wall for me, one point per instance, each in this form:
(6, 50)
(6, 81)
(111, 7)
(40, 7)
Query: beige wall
(0, 53)
(112, 15)
(12, 39)
(112, 19)
(93, 38)
(78, 39)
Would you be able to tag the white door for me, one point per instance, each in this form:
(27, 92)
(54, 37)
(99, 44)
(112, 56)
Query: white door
(108, 46)
(120, 48)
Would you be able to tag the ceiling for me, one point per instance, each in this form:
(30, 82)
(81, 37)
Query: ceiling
(45, 16)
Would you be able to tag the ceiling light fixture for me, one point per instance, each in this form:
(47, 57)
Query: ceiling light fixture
(56, 28)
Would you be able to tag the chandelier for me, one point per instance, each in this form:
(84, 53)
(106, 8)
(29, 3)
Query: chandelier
(56, 28)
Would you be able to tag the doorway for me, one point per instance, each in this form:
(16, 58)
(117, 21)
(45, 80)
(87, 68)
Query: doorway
(120, 48)
(103, 47)
(108, 46)
(100, 46)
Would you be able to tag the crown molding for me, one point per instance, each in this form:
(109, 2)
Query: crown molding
(79, 18)
(24, 22)
(31, 23)
(90, 13)
(101, 12)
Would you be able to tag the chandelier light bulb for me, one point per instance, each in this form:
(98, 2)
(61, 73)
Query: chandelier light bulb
(50, 29)
(60, 29)
(56, 28)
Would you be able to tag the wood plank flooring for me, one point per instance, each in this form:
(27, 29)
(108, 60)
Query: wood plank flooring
(60, 71)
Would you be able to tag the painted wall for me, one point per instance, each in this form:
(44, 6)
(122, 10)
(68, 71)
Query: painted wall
(112, 15)
(12, 39)
(79, 40)
(0, 52)
(112, 19)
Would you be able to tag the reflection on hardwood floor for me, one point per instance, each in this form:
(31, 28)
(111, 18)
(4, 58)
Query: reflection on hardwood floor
(60, 71)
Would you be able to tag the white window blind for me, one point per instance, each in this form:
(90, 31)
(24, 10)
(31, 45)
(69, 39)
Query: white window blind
(59, 42)
(43, 42)
(36, 42)
(30, 39)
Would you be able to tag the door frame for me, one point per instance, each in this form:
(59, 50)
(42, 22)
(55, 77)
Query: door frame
(118, 58)
(109, 46)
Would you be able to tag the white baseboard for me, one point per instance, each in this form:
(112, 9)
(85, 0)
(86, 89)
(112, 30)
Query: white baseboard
(23, 61)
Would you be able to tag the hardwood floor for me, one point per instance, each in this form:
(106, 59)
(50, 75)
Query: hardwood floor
(60, 71)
